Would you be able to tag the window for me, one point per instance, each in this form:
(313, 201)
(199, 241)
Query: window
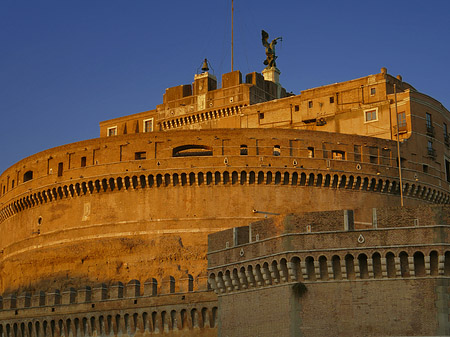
(431, 152)
(192, 150)
(425, 168)
(370, 115)
(430, 128)
(373, 154)
(148, 125)
(338, 155)
(244, 150)
(373, 91)
(446, 138)
(332, 99)
(310, 152)
(447, 171)
(386, 156)
(140, 155)
(402, 121)
(429, 121)
(83, 161)
(310, 104)
(276, 150)
(60, 169)
(12, 184)
(261, 115)
(297, 108)
(28, 176)
(112, 131)
(357, 152)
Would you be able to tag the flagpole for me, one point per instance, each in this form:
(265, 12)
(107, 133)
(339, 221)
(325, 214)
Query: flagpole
(232, 35)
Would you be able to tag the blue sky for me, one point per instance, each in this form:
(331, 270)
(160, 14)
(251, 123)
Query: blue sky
(67, 65)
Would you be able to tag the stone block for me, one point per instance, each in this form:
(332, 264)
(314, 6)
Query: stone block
(38, 299)
(116, 290)
(54, 297)
(151, 287)
(168, 285)
(84, 294)
(24, 300)
(186, 284)
(100, 293)
(10, 302)
(133, 289)
(69, 296)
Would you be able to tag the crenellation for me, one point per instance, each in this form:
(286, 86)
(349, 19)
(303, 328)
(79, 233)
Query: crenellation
(132, 289)
(99, 292)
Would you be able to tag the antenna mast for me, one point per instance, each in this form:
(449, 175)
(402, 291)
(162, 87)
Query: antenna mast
(232, 35)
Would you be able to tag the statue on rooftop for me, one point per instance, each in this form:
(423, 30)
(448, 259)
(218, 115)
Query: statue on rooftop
(270, 49)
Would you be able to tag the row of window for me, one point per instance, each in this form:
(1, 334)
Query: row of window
(202, 150)
(310, 103)
(147, 126)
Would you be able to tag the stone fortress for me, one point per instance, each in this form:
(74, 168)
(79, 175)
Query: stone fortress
(239, 210)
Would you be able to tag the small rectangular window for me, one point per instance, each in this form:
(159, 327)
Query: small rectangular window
(276, 150)
(261, 115)
(112, 131)
(386, 156)
(12, 183)
(140, 155)
(446, 137)
(310, 152)
(310, 104)
(373, 154)
(430, 127)
(425, 168)
(244, 150)
(338, 155)
(83, 161)
(402, 120)
(357, 152)
(297, 108)
(447, 171)
(331, 99)
(60, 169)
(370, 115)
(429, 121)
(373, 91)
(148, 125)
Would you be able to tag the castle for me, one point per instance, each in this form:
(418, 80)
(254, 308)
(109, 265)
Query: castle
(179, 220)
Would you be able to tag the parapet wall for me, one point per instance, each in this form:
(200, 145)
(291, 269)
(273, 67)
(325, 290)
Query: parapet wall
(170, 308)
(284, 273)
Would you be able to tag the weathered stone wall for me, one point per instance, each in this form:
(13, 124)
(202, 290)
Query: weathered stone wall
(114, 310)
(122, 218)
(390, 280)
(413, 307)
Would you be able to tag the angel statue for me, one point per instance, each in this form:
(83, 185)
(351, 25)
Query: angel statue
(270, 49)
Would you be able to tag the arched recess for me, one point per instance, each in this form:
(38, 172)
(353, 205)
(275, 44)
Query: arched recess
(336, 263)
(419, 264)
(192, 150)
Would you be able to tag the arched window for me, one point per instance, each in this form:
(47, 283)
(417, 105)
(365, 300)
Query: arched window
(192, 150)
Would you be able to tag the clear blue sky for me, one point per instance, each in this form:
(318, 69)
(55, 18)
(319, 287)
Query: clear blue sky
(67, 65)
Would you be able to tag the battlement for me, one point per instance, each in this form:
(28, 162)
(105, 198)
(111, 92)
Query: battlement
(134, 289)
(115, 309)
(327, 246)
